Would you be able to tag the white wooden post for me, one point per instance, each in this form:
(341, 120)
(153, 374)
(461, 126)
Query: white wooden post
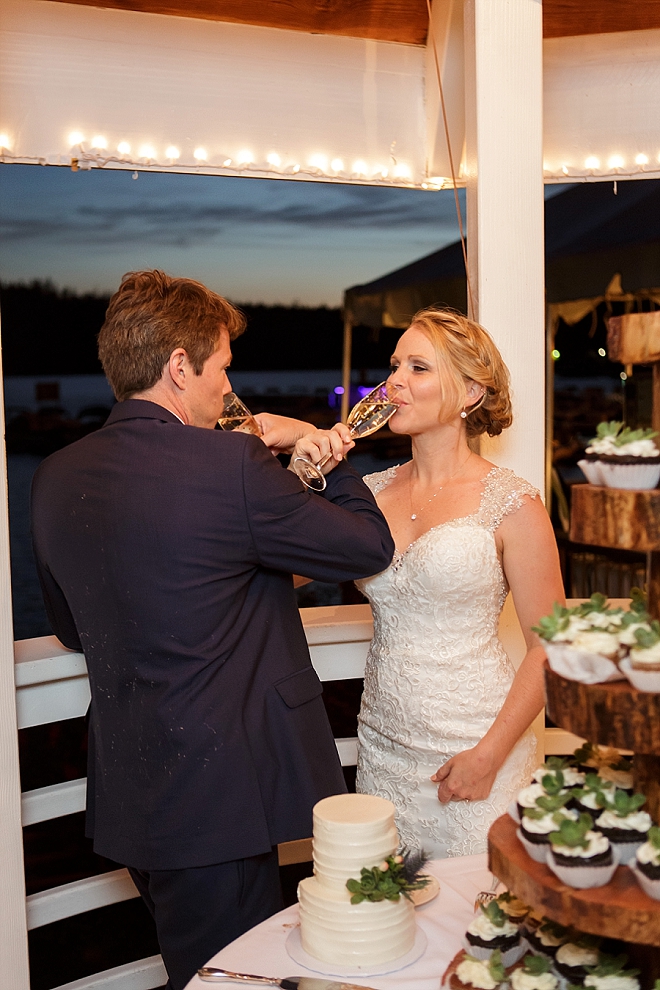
(13, 921)
(504, 141)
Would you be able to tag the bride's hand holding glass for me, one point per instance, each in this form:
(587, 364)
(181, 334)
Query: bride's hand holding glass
(319, 444)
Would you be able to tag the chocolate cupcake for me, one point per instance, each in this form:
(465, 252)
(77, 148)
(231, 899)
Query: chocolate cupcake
(491, 929)
(537, 823)
(647, 856)
(623, 823)
(580, 857)
(547, 938)
(515, 910)
(533, 974)
(482, 974)
(611, 974)
(619, 457)
(573, 958)
(586, 798)
(572, 777)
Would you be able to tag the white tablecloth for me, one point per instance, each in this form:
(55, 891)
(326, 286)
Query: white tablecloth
(444, 920)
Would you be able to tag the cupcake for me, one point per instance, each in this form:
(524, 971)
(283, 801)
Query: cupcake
(623, 823)
(491, 929)
(646, 864)
(547, 938)
(482, 974)
(642, 666)
(528, 797)
(619, 457)
(581, 857)
(573, 958)
(515, 910)
(588, 796)
(533, 974)
(619, 774)
(537, 823)
(610, 973)
(582, 643)
(572, 777)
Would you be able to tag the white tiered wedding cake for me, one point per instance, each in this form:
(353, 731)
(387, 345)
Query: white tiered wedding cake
(352, 831)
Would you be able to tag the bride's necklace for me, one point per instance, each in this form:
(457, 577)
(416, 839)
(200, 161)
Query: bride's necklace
(413, 515)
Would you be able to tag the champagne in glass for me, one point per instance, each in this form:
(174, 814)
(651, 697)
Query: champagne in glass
(366, 416)
(236, 416)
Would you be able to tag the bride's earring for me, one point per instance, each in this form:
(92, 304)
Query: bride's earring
(463, 414)
(471, 409)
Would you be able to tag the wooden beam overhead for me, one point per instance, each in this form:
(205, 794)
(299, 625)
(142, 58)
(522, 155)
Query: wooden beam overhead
(404, 21)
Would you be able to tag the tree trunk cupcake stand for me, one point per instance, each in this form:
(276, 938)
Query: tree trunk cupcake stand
(613, 714)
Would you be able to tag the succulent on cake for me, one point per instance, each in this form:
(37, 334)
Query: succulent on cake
(396, 875)
(611, 974)
(613, 439)
(512, 906)
(648, 855)
(592, 791)
(619, 457)
(483, 974)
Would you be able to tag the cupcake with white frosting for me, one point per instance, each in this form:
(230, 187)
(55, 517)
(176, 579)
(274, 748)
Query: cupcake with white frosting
(622, 822)
(587, 796)
(573, 958)
(642, 665)
(646, 864)
(611, 973)
(491, 929)
(528, 797)
(581, 857)
(582, 643)
(619, 457)
(533, 974)
(572, 776)
(547, 937)
(482, 974)
(537, 823)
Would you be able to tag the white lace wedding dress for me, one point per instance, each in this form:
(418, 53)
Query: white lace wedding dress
(437, 674)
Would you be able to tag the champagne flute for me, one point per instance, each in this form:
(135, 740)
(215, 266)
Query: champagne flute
(236, 416)
(366, 416)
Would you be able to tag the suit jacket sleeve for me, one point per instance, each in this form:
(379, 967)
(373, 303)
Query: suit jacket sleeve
(339, 536)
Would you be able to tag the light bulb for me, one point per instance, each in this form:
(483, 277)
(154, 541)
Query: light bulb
(200, 154)
(295, 169)
(319, 161)
(4, 141)
(337, 165)
(438, 180)
(147, 151)
(244, 157)
(124, 148)
(602, 352)
(360, 167)
(564, 169)
(99, 142)
(227, 162)
(274, 159)
(425, 185)
(616, 161)
(402, 171)
(642, 160)
(75, 137)
(592, 162)
(379, 170)
(172, 152)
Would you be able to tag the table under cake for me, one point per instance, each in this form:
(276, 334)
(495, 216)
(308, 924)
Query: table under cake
(262, 950)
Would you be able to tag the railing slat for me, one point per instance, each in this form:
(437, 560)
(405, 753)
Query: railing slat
(55, 801)
(145, 974)
(347, 749)
(80, 896)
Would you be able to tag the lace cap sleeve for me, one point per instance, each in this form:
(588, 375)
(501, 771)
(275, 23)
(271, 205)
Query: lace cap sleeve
(379, 480)
(504, 493)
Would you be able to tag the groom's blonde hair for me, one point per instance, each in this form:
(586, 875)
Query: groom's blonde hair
(467, 353)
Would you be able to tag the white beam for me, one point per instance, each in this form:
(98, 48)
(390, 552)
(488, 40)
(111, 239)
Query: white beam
(445, 54)
(79, 896)
(503, 46)
(13, 928)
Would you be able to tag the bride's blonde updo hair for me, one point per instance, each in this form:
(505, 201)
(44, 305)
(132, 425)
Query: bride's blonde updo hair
(466, 352)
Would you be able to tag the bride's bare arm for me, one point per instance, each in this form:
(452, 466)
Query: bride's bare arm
(531, 566)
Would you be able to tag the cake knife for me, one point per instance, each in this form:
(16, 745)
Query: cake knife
(213, 975)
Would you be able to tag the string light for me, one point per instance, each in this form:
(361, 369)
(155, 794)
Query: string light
(402, 171)
(616, 161)
(124, 148)
(147, 151)
(75, 137)
(172, 152)
(602, 352)
(244, 158)
(319, 161)
(99, 142)
(200, 154)
(273, 159)
(337, 165)
(4, 141)
(379, 170)
(642, 159)
(227, 162)
(592, 162)
(295, 169)
(360, 167)
(555, 355)
(564, 169)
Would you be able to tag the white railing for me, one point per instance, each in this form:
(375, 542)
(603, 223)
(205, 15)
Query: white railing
(52, 685)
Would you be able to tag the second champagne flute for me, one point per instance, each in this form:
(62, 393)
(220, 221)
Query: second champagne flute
(366, 416)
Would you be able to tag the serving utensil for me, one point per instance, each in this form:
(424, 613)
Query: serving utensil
(212, 975)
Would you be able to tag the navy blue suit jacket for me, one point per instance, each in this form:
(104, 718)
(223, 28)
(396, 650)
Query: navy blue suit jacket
(165, 553)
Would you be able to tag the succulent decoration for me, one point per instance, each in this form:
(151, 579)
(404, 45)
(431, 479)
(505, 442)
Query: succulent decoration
(495, 914)
(495, 965)
(648, 636)
(536, 965)
(653, 837)
(573, 834)
(621, 803)
(553, 783)
(548, 804)
(621, 435)
(396, 875)
(612, 966)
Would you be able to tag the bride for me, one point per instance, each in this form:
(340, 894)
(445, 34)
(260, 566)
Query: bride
(444, 728)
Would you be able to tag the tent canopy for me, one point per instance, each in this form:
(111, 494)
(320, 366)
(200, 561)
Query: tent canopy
(591, 236)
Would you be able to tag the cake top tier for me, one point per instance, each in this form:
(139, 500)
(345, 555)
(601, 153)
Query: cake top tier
(353, 809)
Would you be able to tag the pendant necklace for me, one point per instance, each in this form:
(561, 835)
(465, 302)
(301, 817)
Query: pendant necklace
(413, 515)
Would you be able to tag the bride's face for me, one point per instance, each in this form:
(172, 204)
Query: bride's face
(416, 377)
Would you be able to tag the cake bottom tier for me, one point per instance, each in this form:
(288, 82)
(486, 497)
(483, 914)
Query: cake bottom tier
(367, 934)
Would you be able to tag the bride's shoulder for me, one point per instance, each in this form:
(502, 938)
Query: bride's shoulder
(504, 492)
(380, 479)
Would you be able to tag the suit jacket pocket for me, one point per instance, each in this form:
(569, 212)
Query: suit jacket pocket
(295, 689)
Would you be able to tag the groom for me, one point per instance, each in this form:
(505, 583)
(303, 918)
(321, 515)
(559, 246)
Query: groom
(165, 550)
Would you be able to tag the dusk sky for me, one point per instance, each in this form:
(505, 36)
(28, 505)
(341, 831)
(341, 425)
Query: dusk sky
(254, 240)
